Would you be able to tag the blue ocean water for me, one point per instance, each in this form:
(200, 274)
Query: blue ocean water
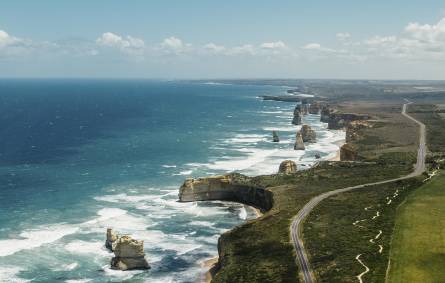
(78, 156)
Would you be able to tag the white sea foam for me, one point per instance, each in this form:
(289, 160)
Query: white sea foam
(83, 247)
(78, 280)
(69, 267)
(9, 274)
(243, 213)
(183, 173)
(30, 239)
(168, 166)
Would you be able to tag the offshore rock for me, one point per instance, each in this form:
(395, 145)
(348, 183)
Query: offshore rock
(297, 116)
(112, 237)
(314, 108)
(229, 187)
(308, 134)
(275, 137)
(129, 254)
(325, 113)
(299, 144)
(305, 108)
(287, 167)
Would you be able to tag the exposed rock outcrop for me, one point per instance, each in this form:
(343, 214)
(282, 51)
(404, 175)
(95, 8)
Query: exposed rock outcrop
(275, 137)
(299, 144)
(129, 254)
(308, 134)
(342, 120)
(305, 108)
(348, 153)
(287, 167)
(229, 187)
(112, 237)
(325, 113)
(353, 128)
(314, 108)
(297, 116)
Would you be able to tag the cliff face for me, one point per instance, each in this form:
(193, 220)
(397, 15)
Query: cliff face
(348, 153)
(352, 130)
(230, 187)
(341, 120)
(308, 134)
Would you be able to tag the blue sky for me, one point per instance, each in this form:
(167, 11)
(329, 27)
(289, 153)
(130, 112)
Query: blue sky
(223, 39)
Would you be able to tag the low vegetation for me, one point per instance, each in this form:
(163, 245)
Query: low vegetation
(341, 227)
(260, 251)
(432, 116)
(418, 250)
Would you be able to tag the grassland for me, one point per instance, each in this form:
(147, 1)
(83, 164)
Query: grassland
(333, 241)
(432, 116)
(418, 251)
(260, 251)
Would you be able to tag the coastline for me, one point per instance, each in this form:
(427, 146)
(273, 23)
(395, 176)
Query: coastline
(210, 264)
(337, 154)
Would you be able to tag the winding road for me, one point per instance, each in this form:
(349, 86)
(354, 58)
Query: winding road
(297, 222)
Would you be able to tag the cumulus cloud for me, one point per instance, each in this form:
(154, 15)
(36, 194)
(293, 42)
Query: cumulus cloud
(129, 44)
(6, 39)
(175, 45)
(273, 45)
(214, 48)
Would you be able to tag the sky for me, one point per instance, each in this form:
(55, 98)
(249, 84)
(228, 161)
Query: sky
(178, 39)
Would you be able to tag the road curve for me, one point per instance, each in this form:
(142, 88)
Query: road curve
(296, 226)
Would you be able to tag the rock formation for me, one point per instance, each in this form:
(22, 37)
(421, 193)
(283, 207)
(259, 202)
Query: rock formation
(129, 254)
(304, 109)
(353, 130)
(308, 134)
(325, 113)
(287, 167)
(348, 153)
(299, 144)
(342, 120)
(314, 108)
(229, 187)
(112, 237)
(275, 137)
(297, 116)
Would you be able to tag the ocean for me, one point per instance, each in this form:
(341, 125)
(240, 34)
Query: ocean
(78, 156)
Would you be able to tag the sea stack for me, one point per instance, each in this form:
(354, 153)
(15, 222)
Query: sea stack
(297, 116)
(325, 113)
(287, 167)
(111, 239)
(129, 254)
(275, 137)
(314, 108)
(308, 134)
(299, 145)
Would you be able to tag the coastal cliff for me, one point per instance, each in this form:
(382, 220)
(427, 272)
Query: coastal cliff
(338, 121)
(229, 187)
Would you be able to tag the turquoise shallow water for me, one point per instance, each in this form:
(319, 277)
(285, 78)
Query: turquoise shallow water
(77, 156)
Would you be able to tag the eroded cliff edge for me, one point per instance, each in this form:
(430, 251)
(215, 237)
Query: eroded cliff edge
(230, 187)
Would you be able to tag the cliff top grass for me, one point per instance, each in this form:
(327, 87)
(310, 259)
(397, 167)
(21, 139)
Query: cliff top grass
(432, 116)
(418, 250)
(260, 250)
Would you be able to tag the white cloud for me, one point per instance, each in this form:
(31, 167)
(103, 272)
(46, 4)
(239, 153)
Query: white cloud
(214, 48)
(129, 44)
(175, 45)
(343, 36)
(273, 45)
(6, 39)
(312, 46)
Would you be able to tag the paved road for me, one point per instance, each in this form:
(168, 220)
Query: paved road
(296, 226)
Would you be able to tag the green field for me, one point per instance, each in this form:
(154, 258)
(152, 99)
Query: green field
(333, 241)
(418, 246)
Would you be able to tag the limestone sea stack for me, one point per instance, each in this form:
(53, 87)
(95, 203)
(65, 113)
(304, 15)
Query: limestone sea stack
(129, 254)
(275, 137)
(305, 109)
(111, 239)
(325, 113)
(287, 167)
(314, 108)
(297, 116)
(308, 134)
(299, 144)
